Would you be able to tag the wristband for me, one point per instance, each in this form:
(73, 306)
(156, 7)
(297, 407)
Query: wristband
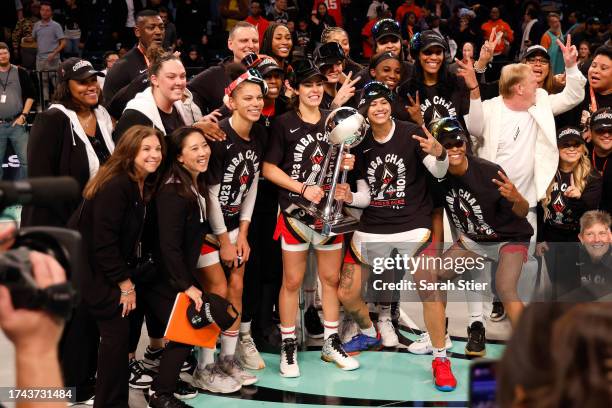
(442, 157)
(304, 187)
(129, 291)
(480, 70)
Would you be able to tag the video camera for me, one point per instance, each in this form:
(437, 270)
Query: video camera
(61, 243)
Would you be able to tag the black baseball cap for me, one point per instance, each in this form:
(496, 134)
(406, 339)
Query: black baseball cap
(267, 65)
(371, 91)
(77, 69)
(536, 50)
(386, 27)
(447, 129)
(426, 39)
(569, 133)
(303, 70)
(214, 310)
(601, 120)
(328, 54)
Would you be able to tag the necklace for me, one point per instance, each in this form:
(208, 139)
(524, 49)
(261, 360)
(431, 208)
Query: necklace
(86, 123)
(602, 171)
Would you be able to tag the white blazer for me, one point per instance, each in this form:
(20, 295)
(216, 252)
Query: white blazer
(485, 119)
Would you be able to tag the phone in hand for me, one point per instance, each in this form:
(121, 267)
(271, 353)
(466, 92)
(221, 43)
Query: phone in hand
(483, 384)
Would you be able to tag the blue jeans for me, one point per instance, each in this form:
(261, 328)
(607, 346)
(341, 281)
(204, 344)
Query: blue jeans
(19, 139)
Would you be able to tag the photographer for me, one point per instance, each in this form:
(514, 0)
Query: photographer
(35, 334)
(111, 220)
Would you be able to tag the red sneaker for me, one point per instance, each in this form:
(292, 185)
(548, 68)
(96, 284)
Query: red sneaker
(444, 380)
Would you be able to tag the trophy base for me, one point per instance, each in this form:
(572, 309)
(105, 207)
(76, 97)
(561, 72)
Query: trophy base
(315, 220)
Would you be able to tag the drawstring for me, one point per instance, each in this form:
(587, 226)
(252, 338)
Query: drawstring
(72, 131)
(198, 199)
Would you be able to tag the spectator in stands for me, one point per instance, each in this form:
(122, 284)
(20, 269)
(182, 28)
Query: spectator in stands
(374, 12)
(279, 12)
(233, 11)
(255, 17)
(503, 47)
(170, 30)
(278, 44)
(24, 46)
(125, 21)
(532, 29)
(590, 33)
(408, 6)
(15, 104)
(71, 138)
(601, 133)
(467, 55)
(438, 9)
(72, 17)
(584, 55)
(600, 87)
(193, 59)
(208, 87)
(538, 59)
(110, 57)
(320, 20)
(549, 42)
(303, 37)
(149, 30)
(408, 27)
(49, 37)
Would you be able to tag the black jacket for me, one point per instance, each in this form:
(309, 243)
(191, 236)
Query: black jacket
(119, 13)
(27, 88)
(208, 87)
(123, 72)
(181, 235)
(54, 151)
(110, 225)
(121, 98)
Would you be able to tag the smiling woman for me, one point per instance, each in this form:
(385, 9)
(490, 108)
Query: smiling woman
(159, 105)
(278, 44)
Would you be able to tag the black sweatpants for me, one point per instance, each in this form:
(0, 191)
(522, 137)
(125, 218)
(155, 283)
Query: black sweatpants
(112, 389)
(155, 327)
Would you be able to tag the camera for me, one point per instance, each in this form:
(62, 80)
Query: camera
(60, 243)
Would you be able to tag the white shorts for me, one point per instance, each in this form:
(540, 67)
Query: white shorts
(408, 243)
(209, 254)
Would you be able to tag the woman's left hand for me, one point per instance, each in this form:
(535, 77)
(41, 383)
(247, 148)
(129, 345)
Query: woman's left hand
(507, 189)
(429, 144)
(348, 161)
(572, 192)
(243, 249)
(570, 53)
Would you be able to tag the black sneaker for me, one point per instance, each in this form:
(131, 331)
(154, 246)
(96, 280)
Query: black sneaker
(498, 313)
(139, 378)
(152, 358)
(313, 323)
(190, 364)
(166, 401)
(185, 390)
(476, 345)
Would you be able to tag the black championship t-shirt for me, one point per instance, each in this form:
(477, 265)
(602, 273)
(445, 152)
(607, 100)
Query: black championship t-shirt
(299, 149)
(394, 171)
(564, 212)
(233, 165)
(171, 121)
(476, 207)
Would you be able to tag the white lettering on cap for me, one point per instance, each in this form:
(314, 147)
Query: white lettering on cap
(81, 64)
(603, 115)
(567, 132)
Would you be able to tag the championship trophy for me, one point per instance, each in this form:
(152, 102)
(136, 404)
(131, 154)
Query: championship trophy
(345, 128)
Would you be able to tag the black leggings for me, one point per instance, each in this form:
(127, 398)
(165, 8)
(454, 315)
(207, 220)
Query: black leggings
(112, 388)
(155, 327)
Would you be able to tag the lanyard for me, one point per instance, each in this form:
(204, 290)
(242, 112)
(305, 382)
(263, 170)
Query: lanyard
(5, 82)
(144, 54)
(595, 164)
(593, 106)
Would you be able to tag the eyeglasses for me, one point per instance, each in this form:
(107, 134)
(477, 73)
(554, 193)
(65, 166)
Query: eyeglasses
(375, 90)
(534, 60)
(382, 24)
(452, 144)
(251, 75)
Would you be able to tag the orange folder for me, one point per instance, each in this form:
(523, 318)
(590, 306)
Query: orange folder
(180, 330)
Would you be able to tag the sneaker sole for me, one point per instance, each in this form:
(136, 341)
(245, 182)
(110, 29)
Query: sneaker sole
(217, 390)
(140, 387)
(246, 383)
(497, 319)
(250, 367)
(447, 346)
(186, 396)
(395, 344)
(356, 353)
(445, 388)
(289, 375)
(331, 360)
(476, 353)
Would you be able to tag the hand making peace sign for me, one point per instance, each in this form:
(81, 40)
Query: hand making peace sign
(429, 144)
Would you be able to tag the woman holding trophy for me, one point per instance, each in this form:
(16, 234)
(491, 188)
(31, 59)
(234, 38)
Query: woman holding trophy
(296, 161)
(392, 162)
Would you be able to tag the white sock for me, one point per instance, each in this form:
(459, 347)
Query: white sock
(287, 332)
(329, 328)
(245, 328)
(439, 353)
(384, 312)
(229, 339)
(370, 331)
(206, 356)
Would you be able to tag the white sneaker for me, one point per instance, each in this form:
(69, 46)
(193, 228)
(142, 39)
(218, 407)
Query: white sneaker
(233, 368)
(214, 379)
(423, 344)
(333, 352)
(387, 332)
(247, 354)
(288, 359)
